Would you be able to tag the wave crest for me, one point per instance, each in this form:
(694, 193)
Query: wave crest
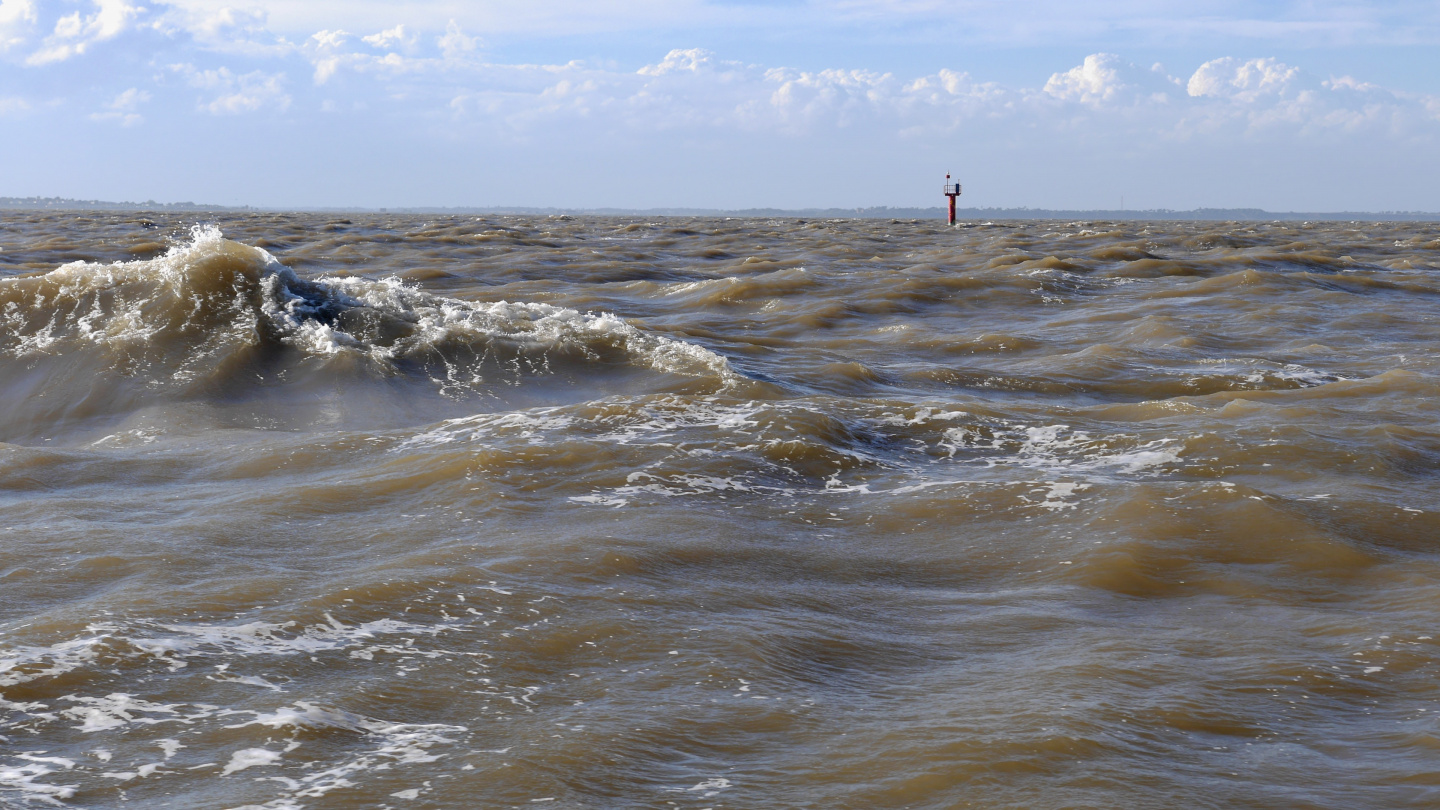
(215, 314)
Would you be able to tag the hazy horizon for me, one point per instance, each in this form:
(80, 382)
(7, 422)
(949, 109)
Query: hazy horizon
(862, 212)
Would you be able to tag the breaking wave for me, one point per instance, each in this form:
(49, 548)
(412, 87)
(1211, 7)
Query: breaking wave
(212, 317)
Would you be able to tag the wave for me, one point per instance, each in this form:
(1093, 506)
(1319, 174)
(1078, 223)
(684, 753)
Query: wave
(213, 317)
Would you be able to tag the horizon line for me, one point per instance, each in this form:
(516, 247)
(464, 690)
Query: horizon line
(869, 212)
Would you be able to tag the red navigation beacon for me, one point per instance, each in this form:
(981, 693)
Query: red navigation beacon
(952, 190)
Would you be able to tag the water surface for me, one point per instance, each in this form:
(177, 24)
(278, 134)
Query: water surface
(321, 511)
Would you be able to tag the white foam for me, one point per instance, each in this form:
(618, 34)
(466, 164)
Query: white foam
(139, 773)
(249, 758)
(118, 709)
(530, 424)
(269, 638)
(710, 787)
(615, 421)
(21, 778)
(284, 803)
(757, 437)
(248, 680)
(436, 320)
(22, 664)
(601, 500)
(1138, 460)
(395, 744)
(143, 294)
(922, 416)
(1056, 447)
(1059, 493)
(1256, 372)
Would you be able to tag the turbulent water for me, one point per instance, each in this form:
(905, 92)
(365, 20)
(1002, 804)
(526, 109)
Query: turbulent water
(612, 513)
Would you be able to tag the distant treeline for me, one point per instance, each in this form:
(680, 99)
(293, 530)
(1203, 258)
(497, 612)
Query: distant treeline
(880, 212)
(886, 212)
(63, 204)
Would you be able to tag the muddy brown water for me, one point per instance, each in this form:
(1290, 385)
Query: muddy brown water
(361, 511)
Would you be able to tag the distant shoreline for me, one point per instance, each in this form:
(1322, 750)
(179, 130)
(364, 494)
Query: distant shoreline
(879, 212)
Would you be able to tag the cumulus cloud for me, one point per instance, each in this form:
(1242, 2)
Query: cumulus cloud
(1264, 97)
(803, 99)
(391, 38)
(233, 94)
(17, 18)
(330, 52)
(408, 71)
(421, 71)
(1106, 79)
(692, 60)
(444, 70)
(76, 32)
(124, 108)
(1104, 97)
(1095, 80)
(230, 31)
(326, 50)
(1245, 81)
(455, 44)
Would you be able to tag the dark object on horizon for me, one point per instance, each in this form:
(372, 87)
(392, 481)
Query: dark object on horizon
(952, 190)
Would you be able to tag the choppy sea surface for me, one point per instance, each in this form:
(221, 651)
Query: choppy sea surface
(390, 511)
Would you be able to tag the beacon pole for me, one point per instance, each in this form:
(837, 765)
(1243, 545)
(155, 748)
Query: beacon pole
(952, 190)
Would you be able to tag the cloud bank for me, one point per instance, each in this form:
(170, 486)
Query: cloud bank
(431, 82)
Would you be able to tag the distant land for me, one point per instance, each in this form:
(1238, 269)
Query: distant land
(880, 212)
(62, 204)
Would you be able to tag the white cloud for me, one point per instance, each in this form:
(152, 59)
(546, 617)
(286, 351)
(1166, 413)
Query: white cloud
(455, 45)
(391, 38)
(1104, 98)
(803, 99)
(1265, 98)
(326, 52)
(330, 40)
(1095, 80)
(1350, 83)
(331, 51)
(231, 31)
(1106, 79)
(76, 32)
(124, 108)
(1244, 81)
(688, 59)
(13, 105)
(235, 94)
(441, 85)
(17, 17)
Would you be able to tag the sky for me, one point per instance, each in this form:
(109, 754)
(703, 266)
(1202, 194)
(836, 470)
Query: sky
(1295, 105)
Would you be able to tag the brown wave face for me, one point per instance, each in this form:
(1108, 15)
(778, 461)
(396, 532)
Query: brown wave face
(214, 323)
(589, 512)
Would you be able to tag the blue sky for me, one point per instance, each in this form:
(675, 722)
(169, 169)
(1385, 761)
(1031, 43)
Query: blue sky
(1318, 105)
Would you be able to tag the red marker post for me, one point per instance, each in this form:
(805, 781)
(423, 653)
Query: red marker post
(952, 190)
